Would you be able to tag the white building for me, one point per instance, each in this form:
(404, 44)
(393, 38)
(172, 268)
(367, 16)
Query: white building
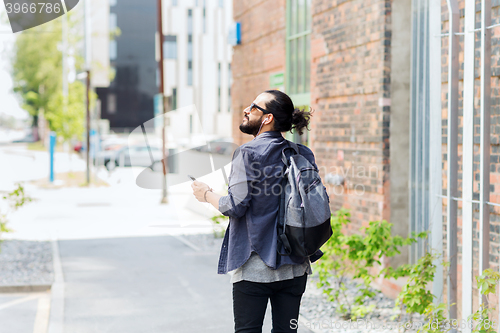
(197, 69)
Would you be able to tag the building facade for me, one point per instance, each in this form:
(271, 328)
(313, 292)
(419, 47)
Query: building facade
(197, 69)
(376, 74)
(128, 102)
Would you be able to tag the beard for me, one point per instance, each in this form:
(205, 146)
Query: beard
(251, 127)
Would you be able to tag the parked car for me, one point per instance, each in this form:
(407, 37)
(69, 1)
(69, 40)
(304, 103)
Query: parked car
(133, 156)
(223, 146)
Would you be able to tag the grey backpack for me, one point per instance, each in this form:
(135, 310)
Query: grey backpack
(304, 213)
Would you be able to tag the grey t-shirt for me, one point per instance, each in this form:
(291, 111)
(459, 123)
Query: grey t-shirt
(255, 270)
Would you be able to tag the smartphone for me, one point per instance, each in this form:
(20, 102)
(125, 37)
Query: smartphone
(192, 178)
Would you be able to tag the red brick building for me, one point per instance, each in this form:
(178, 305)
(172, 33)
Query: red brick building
(371, 82)
(349, 90)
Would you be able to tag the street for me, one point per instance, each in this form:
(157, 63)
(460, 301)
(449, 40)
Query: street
(125, 265)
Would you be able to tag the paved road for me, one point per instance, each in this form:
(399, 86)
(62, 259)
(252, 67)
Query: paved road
(123, 266)
(143, 284)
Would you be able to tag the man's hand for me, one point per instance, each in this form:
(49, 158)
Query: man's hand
(199, 190)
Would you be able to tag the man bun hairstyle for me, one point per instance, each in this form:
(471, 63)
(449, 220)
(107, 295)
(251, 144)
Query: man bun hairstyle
(286, 116)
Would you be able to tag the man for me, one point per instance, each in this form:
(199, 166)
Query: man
(250, 245)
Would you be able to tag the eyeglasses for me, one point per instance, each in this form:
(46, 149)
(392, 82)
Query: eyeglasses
(258, 107)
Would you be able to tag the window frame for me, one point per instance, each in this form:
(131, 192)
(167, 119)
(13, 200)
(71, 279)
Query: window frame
(298, 98)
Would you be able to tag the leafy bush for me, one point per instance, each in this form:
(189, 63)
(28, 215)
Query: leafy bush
(416, 298)
(220, 225)
(486, 283)
(354, 256)
(15, 199)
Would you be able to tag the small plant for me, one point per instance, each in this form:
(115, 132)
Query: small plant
(15, 200)
(355, 256)
(415, 296)
(486, 283)
(220, 225)
(435, 319)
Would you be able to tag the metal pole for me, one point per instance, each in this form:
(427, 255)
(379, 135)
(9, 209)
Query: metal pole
(484, 163)
(88, 57)
(64, 60)
(468, 160)
(165, 102)
(52, 145)
(435, 145)
(452, 152)
(87, 152)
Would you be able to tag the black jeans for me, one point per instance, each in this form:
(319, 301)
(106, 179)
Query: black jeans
(250, 303)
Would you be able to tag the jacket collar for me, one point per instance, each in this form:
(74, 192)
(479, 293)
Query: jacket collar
(269, 134)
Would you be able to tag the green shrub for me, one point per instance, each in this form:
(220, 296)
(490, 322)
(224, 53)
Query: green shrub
(15, 199)
(354, 256)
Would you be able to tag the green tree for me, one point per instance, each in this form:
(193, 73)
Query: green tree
(37, 74)
(37, 67)
(69, 122)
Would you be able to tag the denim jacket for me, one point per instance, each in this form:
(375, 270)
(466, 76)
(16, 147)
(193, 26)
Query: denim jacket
(252, 203)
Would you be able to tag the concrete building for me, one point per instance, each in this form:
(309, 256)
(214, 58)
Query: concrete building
(197, 69)
(128, 102)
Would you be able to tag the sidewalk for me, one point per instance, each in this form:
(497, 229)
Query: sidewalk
(124, 265)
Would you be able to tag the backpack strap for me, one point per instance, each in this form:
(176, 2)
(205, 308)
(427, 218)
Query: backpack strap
(282, 239)
(291, 146)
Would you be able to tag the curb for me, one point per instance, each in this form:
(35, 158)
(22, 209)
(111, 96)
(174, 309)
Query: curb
(56, 316)
(25, 288)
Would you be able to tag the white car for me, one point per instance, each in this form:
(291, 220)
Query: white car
(136, 156)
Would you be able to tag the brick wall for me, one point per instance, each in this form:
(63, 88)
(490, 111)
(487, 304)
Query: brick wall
(262, 52)
(495, 139)
(350, 93)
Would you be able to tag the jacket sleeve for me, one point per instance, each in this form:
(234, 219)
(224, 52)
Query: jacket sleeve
(242, 179)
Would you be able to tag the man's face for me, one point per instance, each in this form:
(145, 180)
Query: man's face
(252, 119)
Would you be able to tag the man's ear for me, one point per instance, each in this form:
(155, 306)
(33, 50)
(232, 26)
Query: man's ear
(269, 119)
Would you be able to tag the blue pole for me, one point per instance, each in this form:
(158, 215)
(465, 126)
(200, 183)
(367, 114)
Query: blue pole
(52, 145)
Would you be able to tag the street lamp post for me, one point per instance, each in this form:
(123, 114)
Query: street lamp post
(88, 127)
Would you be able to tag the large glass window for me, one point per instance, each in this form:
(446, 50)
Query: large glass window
(298, 45)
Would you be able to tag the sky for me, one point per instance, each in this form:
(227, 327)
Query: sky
(9, 104)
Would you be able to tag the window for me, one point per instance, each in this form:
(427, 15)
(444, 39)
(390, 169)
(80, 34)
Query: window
(298, 43)
(112, 22)
(190, 22)
(190, 47)
(112, 3)
(112, 50)
(170, 47)
(174, 3)
(204, 20)
(219, 76)
(174, 99)
(221, 3)
(190, 73)
(229, 83)
(111, 103)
